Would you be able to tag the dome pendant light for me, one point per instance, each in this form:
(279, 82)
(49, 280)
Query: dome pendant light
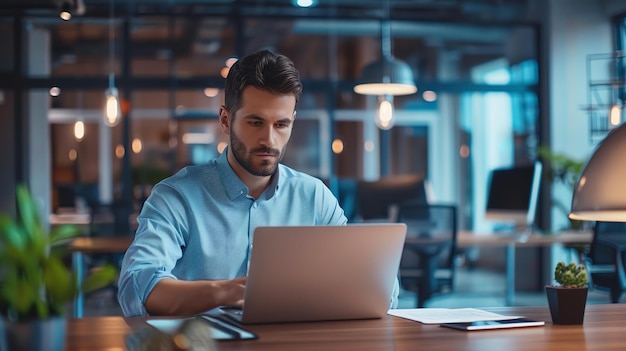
(600, 194)
(387, 76)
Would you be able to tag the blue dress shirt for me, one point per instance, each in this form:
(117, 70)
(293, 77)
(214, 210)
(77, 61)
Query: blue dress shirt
(198, 225)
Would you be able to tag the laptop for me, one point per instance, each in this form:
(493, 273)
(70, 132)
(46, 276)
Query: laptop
(321, 273)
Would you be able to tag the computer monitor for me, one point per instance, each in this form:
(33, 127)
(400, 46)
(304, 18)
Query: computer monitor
(513, 194)
(376, 198)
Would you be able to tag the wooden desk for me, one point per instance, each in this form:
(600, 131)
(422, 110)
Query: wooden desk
(87, 245)
(603, 330)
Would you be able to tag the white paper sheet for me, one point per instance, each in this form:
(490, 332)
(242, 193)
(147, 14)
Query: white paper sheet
(447, 315)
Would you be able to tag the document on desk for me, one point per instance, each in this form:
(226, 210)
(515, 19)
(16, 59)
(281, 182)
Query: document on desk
(447, 315)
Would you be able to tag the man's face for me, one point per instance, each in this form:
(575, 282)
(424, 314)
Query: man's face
(260, 130)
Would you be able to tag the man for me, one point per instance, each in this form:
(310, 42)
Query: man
(192, 246)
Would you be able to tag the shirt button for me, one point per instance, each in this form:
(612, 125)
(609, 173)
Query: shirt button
(255, 205)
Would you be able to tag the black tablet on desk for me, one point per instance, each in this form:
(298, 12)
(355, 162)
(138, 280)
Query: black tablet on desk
(499, 324)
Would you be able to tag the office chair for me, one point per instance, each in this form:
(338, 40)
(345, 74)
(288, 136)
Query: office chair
(606, 257)
(427, 266)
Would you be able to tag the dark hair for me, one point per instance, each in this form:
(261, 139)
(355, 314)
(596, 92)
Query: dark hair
(263, 70)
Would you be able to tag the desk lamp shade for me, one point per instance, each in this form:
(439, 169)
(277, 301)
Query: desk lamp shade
(600, 194)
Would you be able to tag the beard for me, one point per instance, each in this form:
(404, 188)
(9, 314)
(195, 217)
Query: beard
(245, 157)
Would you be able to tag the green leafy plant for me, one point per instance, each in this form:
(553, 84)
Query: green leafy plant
(35, 281)
(565, 170)
(561, 167)
(570, 275)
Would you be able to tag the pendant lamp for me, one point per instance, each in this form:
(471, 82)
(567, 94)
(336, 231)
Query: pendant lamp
(66, 11)
(600, 194)
(388, 75)
(112, 109)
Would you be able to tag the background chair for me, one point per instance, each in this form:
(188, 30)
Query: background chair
(605, 259)
(428, 259)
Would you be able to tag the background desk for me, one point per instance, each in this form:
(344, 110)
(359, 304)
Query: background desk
(70, 218)
(466, 239)
(86, 245)
(603, 330)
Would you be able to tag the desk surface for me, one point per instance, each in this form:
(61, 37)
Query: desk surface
(603, 330)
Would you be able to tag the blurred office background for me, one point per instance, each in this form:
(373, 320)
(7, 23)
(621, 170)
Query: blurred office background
(497, 80)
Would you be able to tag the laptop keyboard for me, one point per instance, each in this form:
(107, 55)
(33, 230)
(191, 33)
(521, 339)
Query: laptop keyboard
(233, 313)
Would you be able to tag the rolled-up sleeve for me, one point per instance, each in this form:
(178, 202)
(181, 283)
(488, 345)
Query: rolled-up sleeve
(157, 246)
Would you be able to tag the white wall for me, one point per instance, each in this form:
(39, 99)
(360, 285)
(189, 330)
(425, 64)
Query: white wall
(575, 29)
(37, 140)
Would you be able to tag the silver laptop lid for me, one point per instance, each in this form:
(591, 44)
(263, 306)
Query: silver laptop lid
(308, 273)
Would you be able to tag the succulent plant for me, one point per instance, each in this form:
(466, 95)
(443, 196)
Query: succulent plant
(35, 280)
(570, 275)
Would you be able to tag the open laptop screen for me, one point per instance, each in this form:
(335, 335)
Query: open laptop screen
(308, 273)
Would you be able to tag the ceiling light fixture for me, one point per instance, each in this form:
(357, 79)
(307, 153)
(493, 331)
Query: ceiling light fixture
(79, 125)
(112, 109)
(615, 113)
(387, 76)
(66, 11)
(304, 3)
(79, 130)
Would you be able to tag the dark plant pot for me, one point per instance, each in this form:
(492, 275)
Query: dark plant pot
(36, 335)
(567, 305)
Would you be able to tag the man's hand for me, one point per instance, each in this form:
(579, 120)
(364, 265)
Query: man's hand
(231, 292)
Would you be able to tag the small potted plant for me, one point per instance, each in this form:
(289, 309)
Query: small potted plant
(36, 283)
(567, 301)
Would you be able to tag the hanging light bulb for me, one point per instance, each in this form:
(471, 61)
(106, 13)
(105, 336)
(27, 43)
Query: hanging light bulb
(112, 109)
(79, 130)
(384, 116)
(66, 11)
(615, 116)
(79, 125)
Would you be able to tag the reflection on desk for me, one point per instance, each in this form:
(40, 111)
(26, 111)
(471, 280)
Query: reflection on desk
(602, 330)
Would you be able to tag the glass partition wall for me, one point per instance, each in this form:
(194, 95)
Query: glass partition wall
(475, 109)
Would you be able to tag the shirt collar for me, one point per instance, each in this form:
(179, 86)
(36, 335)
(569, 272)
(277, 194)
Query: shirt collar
(234, 186)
